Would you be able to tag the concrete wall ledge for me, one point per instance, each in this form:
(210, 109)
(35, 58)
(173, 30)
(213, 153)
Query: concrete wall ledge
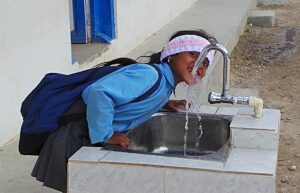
(262, 18)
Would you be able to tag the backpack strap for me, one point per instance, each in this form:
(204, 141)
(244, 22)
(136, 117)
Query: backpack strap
(153, 88)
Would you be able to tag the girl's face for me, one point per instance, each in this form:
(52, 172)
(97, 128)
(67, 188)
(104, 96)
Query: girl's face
(182, 65)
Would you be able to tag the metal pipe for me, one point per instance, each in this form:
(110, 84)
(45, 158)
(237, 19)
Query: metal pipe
(224, 52)
(225, 97)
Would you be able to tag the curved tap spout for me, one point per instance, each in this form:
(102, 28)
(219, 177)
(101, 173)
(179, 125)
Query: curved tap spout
(225, 97)
(226, 67)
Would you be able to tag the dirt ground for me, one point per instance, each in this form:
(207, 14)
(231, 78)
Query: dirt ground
(268, 59)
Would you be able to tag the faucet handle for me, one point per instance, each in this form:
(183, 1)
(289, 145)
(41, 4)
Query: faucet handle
(214, 97)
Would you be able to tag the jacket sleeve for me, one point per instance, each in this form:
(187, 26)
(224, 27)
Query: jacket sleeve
(106, 94)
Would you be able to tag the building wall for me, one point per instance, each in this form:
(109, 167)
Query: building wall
(136, 20)
(34, 40)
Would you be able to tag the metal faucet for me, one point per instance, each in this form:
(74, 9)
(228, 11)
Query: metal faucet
(224, 97)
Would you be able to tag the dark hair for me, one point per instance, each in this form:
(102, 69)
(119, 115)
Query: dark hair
(119, 62)
(155, 57)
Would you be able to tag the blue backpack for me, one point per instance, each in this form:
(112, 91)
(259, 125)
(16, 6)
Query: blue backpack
(51, 98)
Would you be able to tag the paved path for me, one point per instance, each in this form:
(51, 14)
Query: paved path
(15, 172)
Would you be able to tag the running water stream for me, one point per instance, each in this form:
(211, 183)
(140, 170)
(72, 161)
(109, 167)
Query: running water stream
(193, 107)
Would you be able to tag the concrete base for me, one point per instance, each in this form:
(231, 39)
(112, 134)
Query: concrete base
(147, 179)
(262, 18)
(249, 168)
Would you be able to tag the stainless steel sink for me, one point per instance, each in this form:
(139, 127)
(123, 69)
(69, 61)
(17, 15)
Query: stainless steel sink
(163, 134)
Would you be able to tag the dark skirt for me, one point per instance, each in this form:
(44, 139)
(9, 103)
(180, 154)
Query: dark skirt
(51, 166)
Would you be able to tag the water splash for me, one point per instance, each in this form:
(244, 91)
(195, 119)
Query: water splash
(193, 108)
(186, 127)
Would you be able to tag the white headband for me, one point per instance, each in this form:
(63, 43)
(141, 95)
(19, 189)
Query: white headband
(186, 43)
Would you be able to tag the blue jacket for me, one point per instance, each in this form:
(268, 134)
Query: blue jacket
(108, 100)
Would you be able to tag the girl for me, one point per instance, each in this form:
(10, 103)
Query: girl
(112, 108)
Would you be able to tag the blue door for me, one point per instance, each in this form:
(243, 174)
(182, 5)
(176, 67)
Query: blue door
(79, 33)
(100, 21)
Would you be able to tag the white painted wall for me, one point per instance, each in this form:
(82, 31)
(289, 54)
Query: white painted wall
(34, 40)
(137, 20)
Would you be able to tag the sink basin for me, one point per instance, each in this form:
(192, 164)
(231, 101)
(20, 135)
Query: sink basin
(163, 134)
